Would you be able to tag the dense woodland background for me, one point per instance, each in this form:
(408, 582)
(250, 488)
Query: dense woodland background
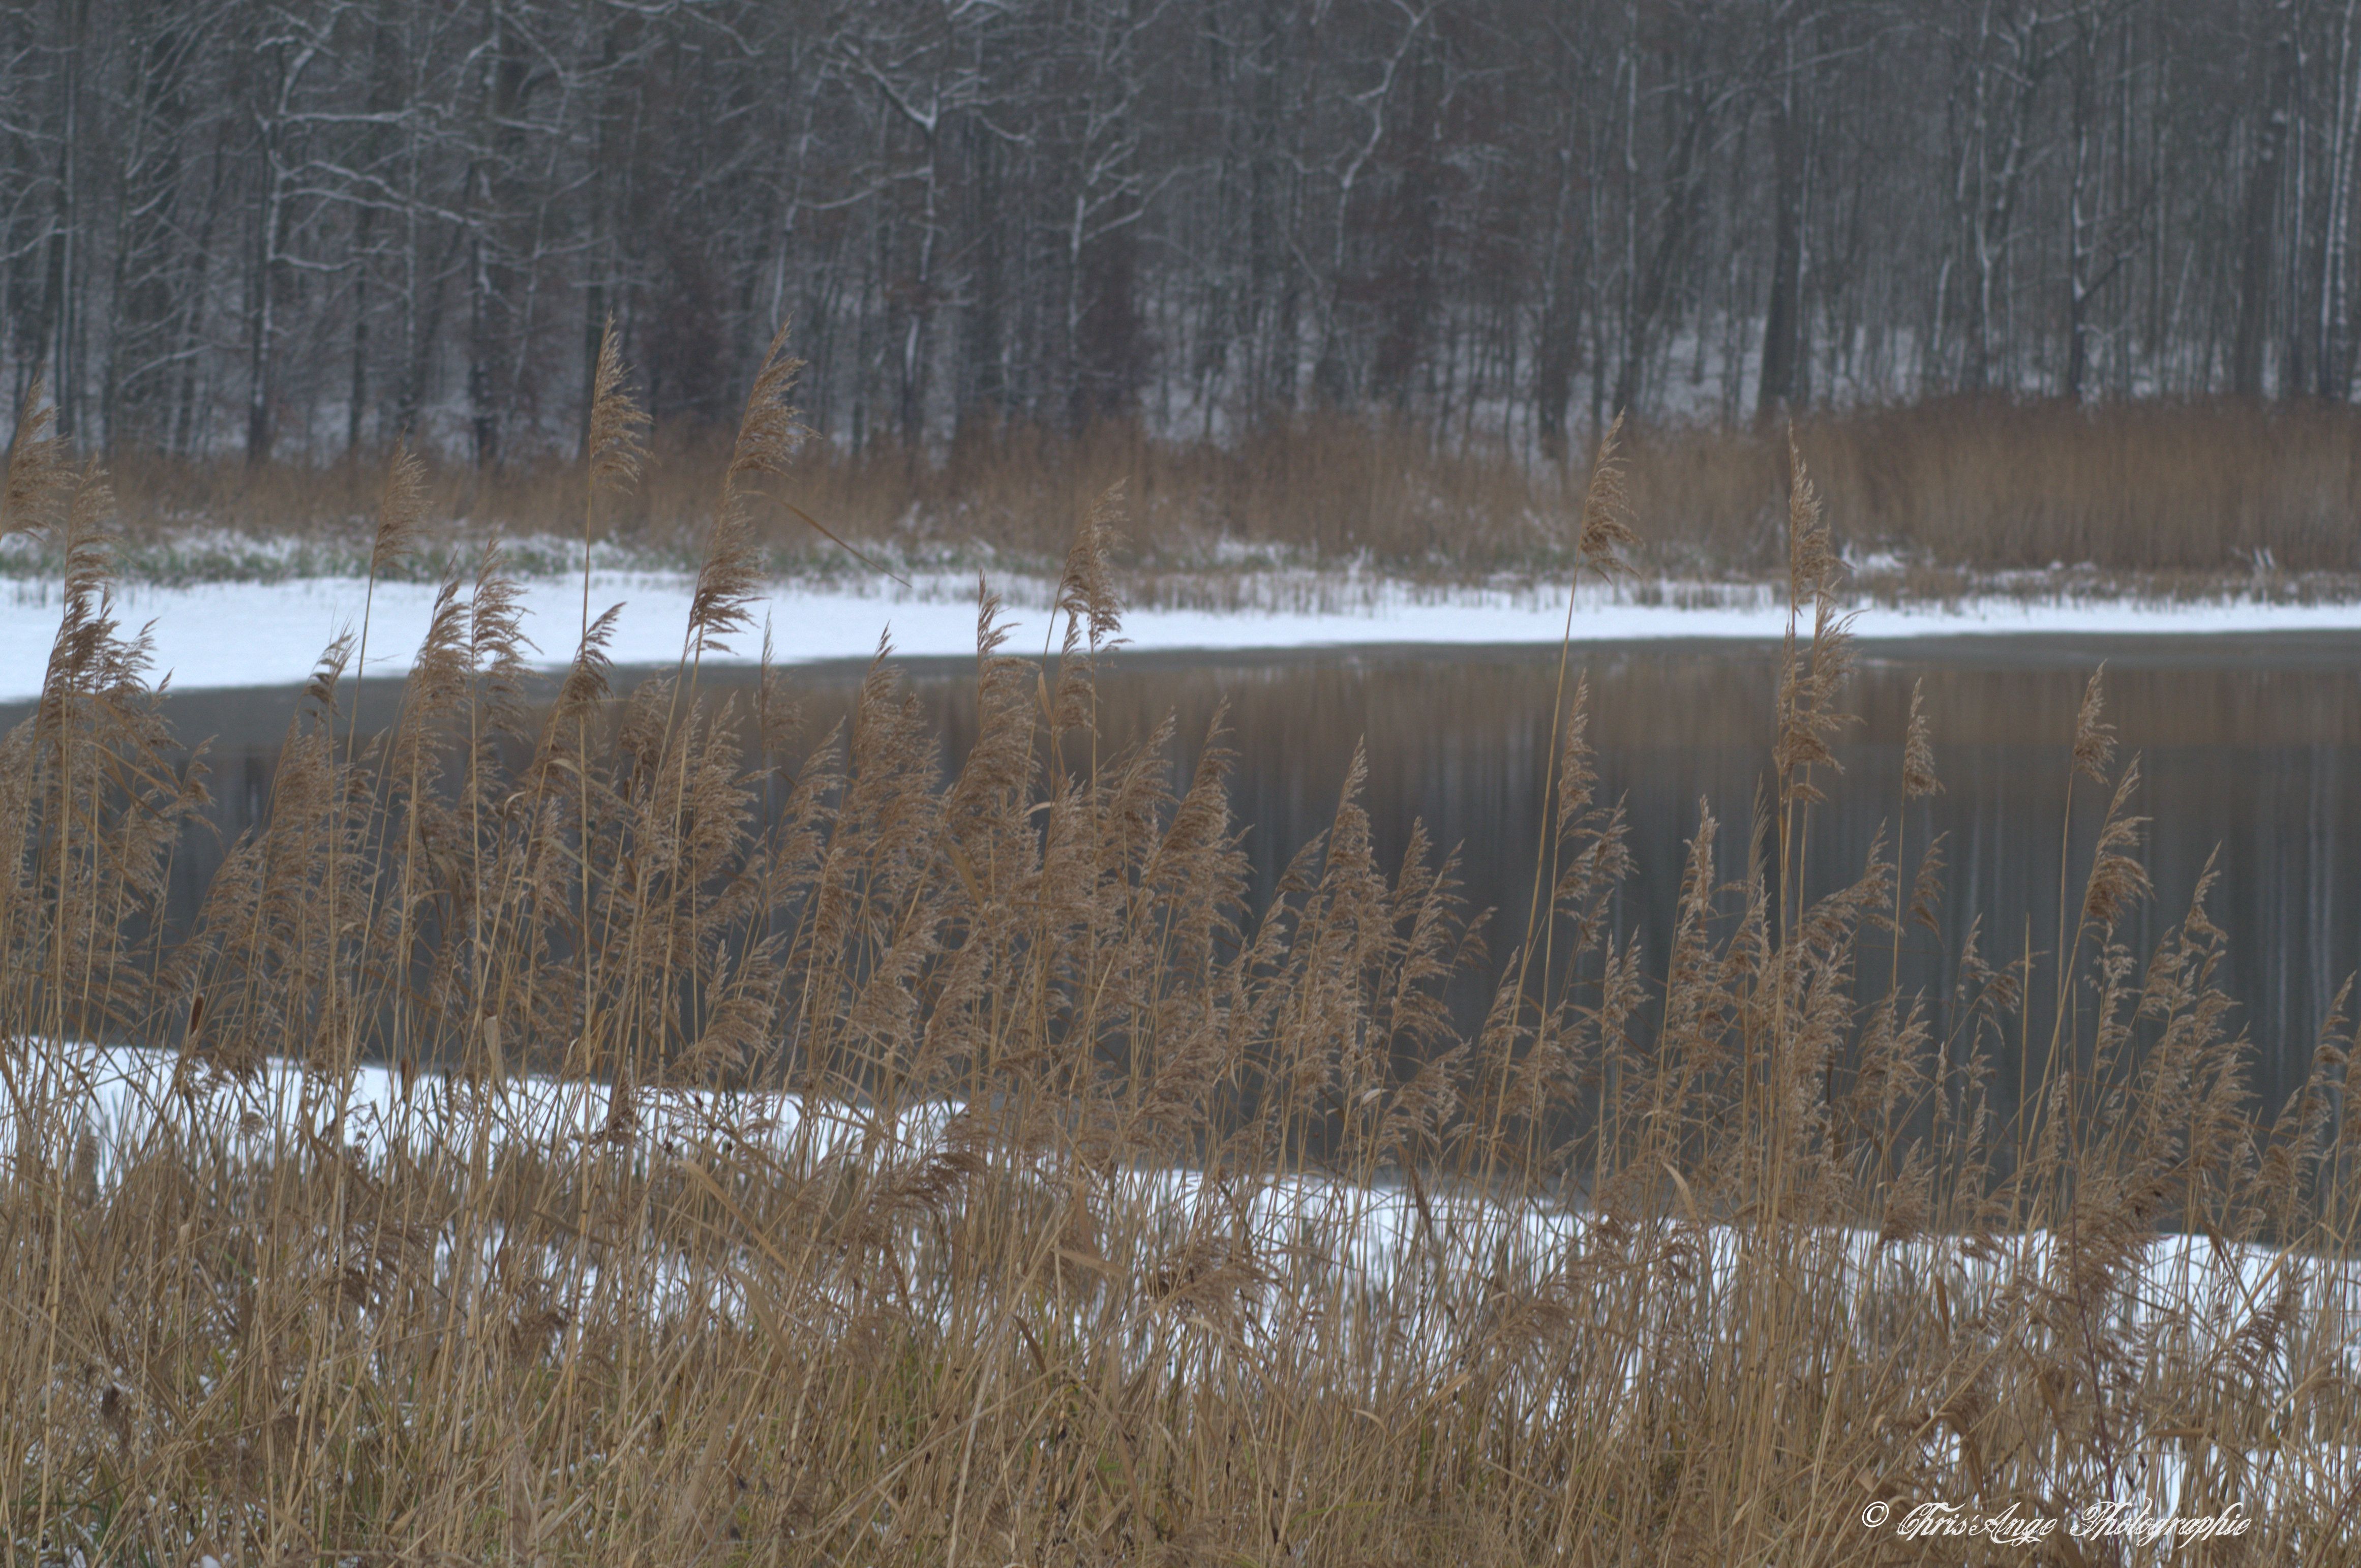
(292, 229)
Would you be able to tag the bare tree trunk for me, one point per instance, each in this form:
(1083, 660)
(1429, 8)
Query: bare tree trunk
(2255, 236)
(356, 391)
(1783, 312)
(262, 307)
(60, 292)
(1560, 317)
(2333, 351)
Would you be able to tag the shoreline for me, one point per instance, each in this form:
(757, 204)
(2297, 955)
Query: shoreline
(220, 635)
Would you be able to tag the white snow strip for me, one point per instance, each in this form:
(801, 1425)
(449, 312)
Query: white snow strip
(1362, 1253)
(122, 1095)
(252, 634)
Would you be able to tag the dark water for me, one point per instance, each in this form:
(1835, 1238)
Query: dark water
(2250, 747)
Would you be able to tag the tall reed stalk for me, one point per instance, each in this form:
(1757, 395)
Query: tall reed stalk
(575, 1134)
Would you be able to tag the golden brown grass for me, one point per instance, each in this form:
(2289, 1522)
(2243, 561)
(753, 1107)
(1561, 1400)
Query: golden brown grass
(2179, 496)
(1143, 1234)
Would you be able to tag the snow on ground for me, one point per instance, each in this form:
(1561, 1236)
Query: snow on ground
(1359, 1238)
(121, 1096)
(2187, 1285)
(246, 634)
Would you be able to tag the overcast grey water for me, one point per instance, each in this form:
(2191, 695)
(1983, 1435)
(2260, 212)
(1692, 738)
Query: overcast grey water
(2249, 746)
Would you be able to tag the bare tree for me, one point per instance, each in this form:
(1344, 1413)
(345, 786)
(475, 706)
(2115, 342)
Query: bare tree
(228, 224)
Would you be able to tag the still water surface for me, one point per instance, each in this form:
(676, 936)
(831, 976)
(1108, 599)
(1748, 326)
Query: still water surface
(2249, 746)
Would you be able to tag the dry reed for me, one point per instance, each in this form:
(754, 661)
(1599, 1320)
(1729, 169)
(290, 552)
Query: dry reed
(853, 1165)
(2176, 495)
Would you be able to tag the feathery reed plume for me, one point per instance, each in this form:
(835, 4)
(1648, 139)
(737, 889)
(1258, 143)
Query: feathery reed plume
(2093, 753)
(81, 660)
(1919, 750)
(615, 447)
(40, 477)
(2117, 878)
(1086, 595)
(496, 638)
(1918, 781)
(1813, 669)
(589, 681)
(1087, 582)
(1602, 532)
(400, 509)
(1926, 887)
(2094, 737)
(1606, 525)
(1578, 774)
(1086, 600)
(615, 452)
(769, 431)
(1812, 564)
(772, 428)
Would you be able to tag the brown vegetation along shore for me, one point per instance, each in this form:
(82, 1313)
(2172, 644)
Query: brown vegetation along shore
(2161, 498)
(1693, 1257)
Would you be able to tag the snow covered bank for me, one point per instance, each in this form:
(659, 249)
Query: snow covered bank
(121, 1098)
(244, 634)
(1444, 1284)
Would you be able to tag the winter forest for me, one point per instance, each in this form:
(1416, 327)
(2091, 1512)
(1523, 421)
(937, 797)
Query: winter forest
(1363, 783)
(289, 228)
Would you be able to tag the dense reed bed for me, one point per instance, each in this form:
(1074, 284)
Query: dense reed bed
(2170, 495)
(566, 1135)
